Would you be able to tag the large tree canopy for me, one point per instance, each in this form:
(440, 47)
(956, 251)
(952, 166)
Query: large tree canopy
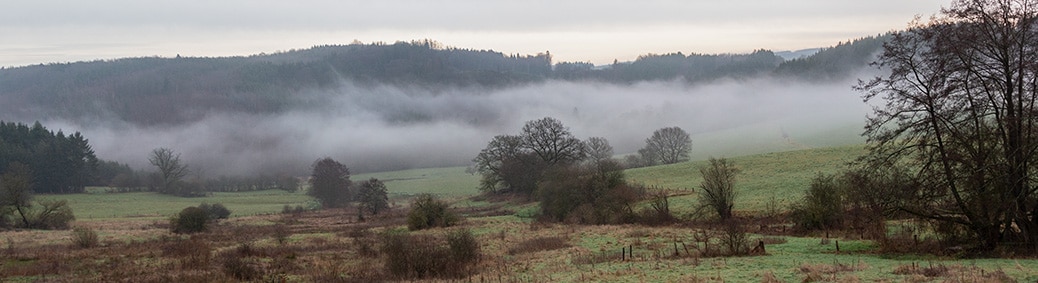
(960, 114)
(667, 146)
(330, 183)
(515, 163)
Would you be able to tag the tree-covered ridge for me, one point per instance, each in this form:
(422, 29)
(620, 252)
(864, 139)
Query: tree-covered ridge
(58, 163)
(835, 62)
(155, 91)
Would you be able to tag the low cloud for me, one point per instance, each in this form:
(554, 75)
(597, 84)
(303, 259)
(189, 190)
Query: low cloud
(388, 128)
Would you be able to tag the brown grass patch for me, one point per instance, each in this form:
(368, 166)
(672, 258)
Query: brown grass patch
(951, 273)
(539, 244)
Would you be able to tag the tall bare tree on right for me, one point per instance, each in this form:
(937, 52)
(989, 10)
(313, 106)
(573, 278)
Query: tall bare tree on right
(960, 114)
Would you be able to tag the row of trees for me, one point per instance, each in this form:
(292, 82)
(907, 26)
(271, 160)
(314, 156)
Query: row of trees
(331, 185)
(574, 180)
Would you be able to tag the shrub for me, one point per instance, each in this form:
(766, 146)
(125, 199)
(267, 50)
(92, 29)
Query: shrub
(215, 211)
(235, 265)
(288, 209)
(189, 220)
(659, 213)
(428, 212)
(413, 257)
(734, 238)
(84, 237)
(51, 215)
(591, 193)
(822, 206)
(463, 246)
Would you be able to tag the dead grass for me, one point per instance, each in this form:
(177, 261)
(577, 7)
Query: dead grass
(539, 244)
(951, 273)
(831, 272)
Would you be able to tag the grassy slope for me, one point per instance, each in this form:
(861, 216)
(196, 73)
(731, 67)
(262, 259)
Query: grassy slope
(444, 182)
(782, 176)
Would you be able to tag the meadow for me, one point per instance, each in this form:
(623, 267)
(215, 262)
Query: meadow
(331, 245)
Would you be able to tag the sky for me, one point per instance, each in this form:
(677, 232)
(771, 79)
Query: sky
(596, 31)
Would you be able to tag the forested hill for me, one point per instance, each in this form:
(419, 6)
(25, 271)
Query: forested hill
(156, 91)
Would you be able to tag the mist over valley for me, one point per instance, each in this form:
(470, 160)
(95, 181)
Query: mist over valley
(417, 105)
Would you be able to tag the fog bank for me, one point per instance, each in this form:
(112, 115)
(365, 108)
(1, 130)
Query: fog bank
(389, 128)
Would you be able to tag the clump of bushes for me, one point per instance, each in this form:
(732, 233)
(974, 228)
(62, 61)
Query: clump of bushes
(589, 193)
(428, 212)
(189, 220)
(84, 237)
(216, 210)
(413, 257)
(197, 218)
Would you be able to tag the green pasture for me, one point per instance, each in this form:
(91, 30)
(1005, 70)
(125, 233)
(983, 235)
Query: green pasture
(445, 182)
(150, 205)
(100, 204)
(778, 178)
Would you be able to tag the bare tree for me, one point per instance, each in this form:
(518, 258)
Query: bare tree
(491, 159)
(718, 187)
(16, 190)
(667, 145)
(171, 170)
(551, 141)
(598, 148)
(960, 113)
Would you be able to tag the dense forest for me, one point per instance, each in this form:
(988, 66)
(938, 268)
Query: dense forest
(163, 91)
(57, 163)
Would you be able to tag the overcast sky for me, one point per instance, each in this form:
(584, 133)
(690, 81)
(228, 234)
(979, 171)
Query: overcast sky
(598, 31)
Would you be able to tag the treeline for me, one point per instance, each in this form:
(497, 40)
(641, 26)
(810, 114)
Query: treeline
(156, 91)
(56, 163)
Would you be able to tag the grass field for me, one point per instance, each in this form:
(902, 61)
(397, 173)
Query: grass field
(782, 176)
(327, 240)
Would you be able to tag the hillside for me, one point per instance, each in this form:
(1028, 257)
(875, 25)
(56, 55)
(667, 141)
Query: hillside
(170, 91)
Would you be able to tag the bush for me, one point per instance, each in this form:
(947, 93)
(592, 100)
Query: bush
(659, 213)
(215, 211)
(51, 215)
(414, 257)
(189, 220)
(463, 246)
(822, 206)
(84, 237)
(428, 212)
(591, 193)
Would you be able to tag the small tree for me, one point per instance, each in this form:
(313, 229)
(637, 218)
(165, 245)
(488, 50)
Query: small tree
(171, 170)
(598, 148)
(718, 187)
(667, 146)
(372, 196)
(16, 190)
(330, 183)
